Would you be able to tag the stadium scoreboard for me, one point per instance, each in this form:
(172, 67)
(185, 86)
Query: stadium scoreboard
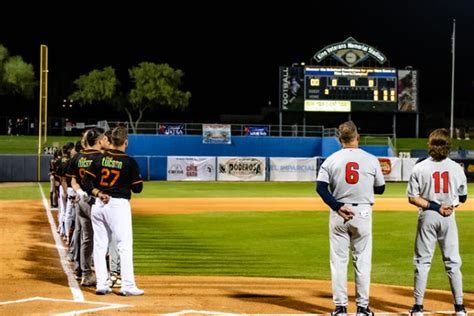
(344, 89)
(355, 80)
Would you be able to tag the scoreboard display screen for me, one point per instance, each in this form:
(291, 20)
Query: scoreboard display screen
(344, 89)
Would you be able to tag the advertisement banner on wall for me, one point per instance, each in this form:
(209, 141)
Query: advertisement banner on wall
(216, 134)
(391, 168)
(191, 168)
(256, 131)
(293, 169)
(241, 168)
(407, 167)
(171, 129)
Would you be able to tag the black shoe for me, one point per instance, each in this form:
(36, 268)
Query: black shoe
(340, 311)
(416, 310)
(460, 310)
(364, 311)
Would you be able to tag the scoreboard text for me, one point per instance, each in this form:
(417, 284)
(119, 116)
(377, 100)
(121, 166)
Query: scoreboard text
(340, 89)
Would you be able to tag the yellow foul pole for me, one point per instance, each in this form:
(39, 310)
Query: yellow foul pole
(43, 104)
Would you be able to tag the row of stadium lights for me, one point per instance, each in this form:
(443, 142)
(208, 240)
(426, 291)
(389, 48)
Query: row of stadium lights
(67, 103)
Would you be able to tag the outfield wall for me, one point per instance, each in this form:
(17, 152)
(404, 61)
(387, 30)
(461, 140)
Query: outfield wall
(23, 168)
(260, 146)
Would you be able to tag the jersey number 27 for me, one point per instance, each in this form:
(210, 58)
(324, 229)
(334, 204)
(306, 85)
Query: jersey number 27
(352, 175)
(437, 176)
(109, 177)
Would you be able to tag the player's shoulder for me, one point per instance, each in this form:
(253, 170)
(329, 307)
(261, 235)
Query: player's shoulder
(367, 154)
(91, 154)
(421, 164)
(454, 164)
(368, 157)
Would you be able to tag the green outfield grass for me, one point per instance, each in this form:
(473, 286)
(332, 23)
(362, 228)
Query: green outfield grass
(272, 244)
(239, 189)
(29, 144)
(169, 189)
(22, 191)
(282, 244)
(407, 144)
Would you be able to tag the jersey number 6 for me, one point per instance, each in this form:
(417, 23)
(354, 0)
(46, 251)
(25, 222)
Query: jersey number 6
(352, 176)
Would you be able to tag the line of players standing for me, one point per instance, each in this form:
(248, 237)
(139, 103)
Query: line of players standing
(82, 192)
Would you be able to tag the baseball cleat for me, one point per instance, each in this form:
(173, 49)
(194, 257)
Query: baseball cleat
(103, 291)
(460, 310)
(364, 311)
(115, 280)
(416, 310)
(88, 280)
(134, 291)
(340, 311)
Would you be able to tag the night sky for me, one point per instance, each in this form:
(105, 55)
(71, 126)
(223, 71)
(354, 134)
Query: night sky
(231, 52)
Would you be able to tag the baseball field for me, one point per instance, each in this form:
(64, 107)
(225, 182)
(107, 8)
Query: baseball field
(221, 248)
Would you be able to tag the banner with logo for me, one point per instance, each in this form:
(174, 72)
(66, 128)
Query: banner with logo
(407, 167)
(171, 129)
(256, 131)
(407, 90)
(293, 169)
(191, 168)
(216, 133)
(241, 168)
(391, 168)
(292, 88)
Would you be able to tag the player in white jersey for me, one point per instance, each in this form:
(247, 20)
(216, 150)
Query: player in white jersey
(347, 181)
(437, 185)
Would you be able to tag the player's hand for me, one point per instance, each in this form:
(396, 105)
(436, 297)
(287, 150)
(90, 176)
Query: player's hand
(346, 213)
(446, 210)
(105, 198)
(81, 195)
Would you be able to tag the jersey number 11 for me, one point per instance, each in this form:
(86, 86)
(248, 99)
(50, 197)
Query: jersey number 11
(437, 176)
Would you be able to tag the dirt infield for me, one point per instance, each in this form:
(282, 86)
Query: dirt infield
(31, 268)
(200, 205)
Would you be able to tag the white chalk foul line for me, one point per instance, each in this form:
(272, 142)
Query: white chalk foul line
(73, 285)
(185, 312)
(21, 300)
(199, 312)
(75, 312)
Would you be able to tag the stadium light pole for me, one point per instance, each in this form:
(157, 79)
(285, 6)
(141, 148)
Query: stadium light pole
(453, 38)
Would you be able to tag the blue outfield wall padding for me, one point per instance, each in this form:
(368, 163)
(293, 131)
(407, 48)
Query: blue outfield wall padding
(329, 145)
(158, 167)
(191, 145)
(143, 165)
(378, 151)
(23, 168)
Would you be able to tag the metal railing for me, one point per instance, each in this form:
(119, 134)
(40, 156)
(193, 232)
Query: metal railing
(378, 139)
(294, 130)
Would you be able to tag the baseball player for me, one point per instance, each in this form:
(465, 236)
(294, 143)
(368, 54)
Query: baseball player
(111, 178)
(61, 173)
(52, 179)
(437, 185)
(92, 143)
(346, 182)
